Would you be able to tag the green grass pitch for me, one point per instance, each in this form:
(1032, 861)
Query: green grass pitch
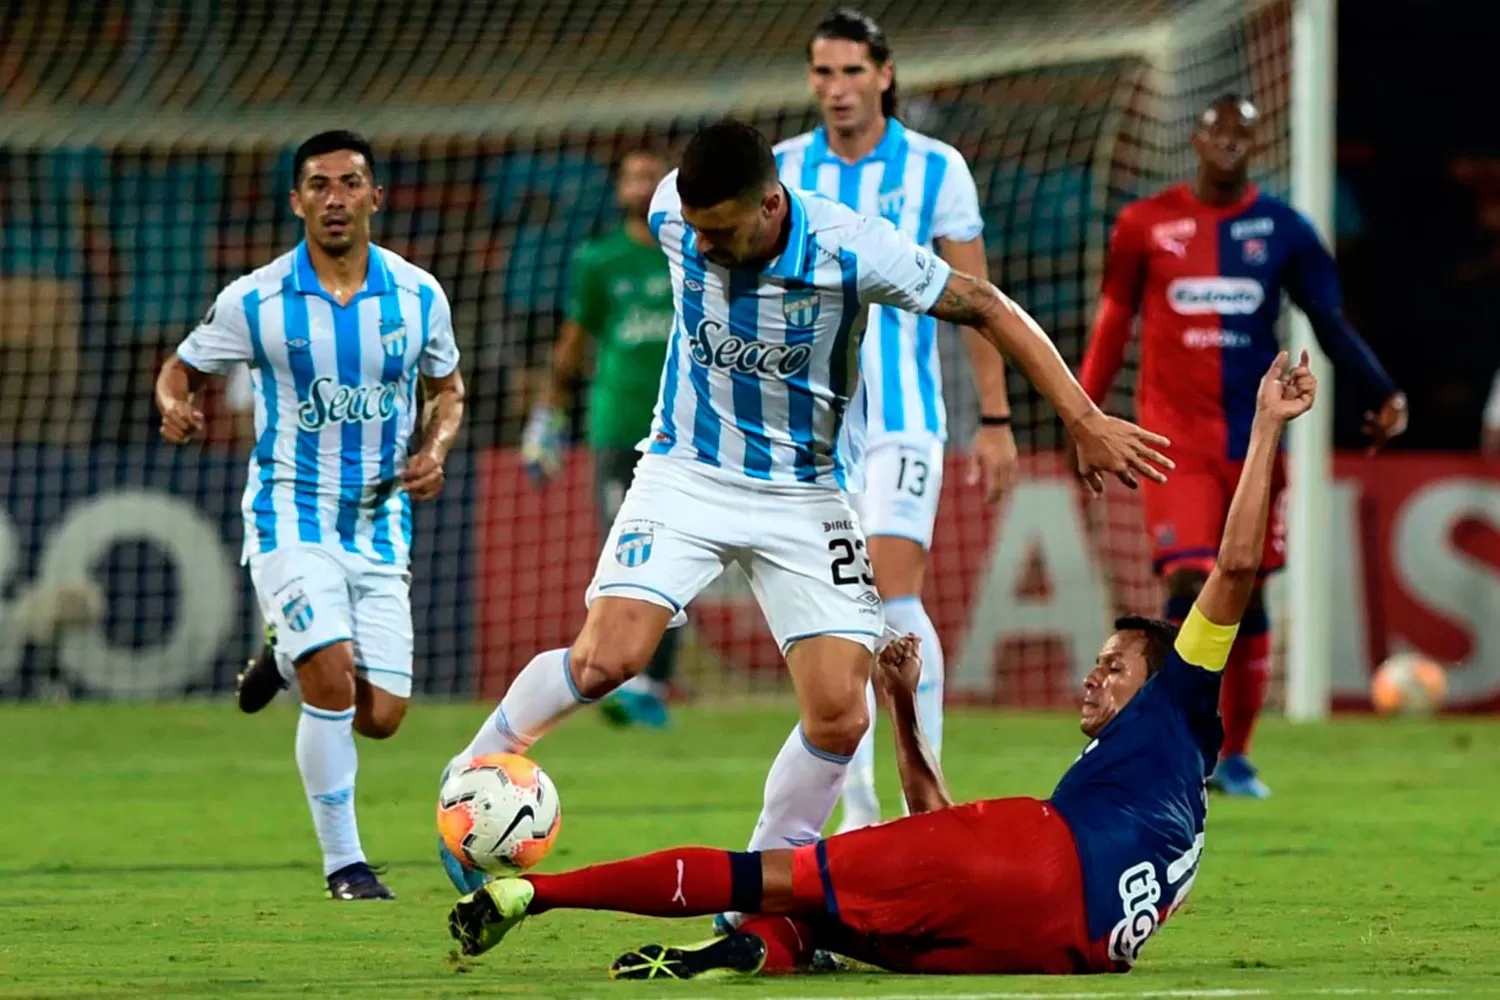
(165, 851)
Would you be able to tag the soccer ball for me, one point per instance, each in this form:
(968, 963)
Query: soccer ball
(1410, 684)
(499, 814)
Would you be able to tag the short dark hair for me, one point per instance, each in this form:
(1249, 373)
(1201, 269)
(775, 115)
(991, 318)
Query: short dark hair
(1160, 635)
(852, 25)
(331, 142)
(729, 160)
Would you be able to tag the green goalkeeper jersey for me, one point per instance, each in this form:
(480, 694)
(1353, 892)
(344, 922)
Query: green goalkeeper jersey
(621, 294)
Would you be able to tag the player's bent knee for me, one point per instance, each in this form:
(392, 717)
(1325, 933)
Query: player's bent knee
(836, 725)
(618, 640)
(599, 669)
(1186, 583)
(326, 677)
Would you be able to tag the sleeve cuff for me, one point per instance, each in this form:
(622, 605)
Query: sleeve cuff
(187, 357)
(439, 371)
(964, 234)
(941, 272)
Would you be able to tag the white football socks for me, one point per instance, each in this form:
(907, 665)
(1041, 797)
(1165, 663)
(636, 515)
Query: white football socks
(541, 696)
(328, 762)
(801, 790)
(861, 803)
(904, 615)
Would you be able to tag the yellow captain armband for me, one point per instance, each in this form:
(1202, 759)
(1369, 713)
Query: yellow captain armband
(1204, 644)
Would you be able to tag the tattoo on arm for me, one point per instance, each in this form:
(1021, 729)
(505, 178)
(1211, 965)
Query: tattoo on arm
(964, 300)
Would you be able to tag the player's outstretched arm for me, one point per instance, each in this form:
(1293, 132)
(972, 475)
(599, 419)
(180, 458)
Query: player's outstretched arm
(898, 667)
(1104, 444)
(1120, 299)
(993, 457)
(1313, 285)
(1285, 394)
(177, 388)
(423, 477)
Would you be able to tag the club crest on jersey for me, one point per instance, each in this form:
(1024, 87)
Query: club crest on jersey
(297, 611)
(1255, 251)
(801, 308)
(1173, 236)
(393, 337)
(892, 204)
(633, 546)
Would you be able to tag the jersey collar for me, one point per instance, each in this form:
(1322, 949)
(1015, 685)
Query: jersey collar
(1223, 211)
(885, 149)
(378, 279)
(793, 260)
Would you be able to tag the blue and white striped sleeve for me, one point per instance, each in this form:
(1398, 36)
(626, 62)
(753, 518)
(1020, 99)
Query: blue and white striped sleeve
(893, 270)
(222, 339)
(664, 204)
(440, 355)
(956, 215)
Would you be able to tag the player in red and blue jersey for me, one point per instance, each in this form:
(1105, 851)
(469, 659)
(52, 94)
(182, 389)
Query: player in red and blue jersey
(1204, 265)
(1073, 884)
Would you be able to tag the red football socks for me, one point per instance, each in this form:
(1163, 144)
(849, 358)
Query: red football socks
(1246, 677)
(682, 882)
(788, 943)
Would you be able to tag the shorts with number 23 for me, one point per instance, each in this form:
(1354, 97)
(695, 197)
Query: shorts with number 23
(683, 522)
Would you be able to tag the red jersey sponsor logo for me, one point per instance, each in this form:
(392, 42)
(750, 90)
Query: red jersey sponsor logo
(1246, 228)
(1226, 296)
(1173, 236)
(1201, 338)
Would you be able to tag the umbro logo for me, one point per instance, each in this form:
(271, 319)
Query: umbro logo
(693, 285)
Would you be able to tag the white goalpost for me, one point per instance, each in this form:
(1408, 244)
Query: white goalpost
(1309, 582)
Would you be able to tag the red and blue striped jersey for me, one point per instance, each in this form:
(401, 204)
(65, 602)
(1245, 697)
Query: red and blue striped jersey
(1207, 283)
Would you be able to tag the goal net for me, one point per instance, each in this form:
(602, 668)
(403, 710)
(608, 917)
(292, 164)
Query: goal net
(144, 161)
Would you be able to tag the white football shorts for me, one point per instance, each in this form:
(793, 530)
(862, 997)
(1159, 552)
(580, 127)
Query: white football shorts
(903, 480)
(316, 596)
(683, 522)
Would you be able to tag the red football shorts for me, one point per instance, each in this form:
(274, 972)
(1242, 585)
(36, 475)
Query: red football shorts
(1186, 514)
(986, 887)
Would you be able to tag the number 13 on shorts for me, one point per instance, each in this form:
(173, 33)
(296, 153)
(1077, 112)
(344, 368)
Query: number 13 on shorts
(902, 485)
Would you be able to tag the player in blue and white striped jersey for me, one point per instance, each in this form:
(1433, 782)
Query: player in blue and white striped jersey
(337, 334)
(863, 157)
(754, 443)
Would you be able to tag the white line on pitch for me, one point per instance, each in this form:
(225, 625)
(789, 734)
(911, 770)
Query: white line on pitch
(1182, 994)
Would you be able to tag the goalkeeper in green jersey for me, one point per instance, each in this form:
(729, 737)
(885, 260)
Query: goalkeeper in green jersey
(620, 296)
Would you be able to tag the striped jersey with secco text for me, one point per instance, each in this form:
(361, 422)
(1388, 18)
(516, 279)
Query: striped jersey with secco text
(335, 391)
(923, 187)
(762, 369)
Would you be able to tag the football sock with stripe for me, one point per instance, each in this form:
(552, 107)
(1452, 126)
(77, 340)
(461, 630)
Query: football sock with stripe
(861, 803)
(907, 615)
(678, 882)
(328, 761)
(541, 696)
(801, 791)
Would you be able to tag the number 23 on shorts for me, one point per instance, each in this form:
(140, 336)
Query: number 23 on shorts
(851, 564)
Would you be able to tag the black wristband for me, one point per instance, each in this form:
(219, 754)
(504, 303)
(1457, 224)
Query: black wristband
(985, 420)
